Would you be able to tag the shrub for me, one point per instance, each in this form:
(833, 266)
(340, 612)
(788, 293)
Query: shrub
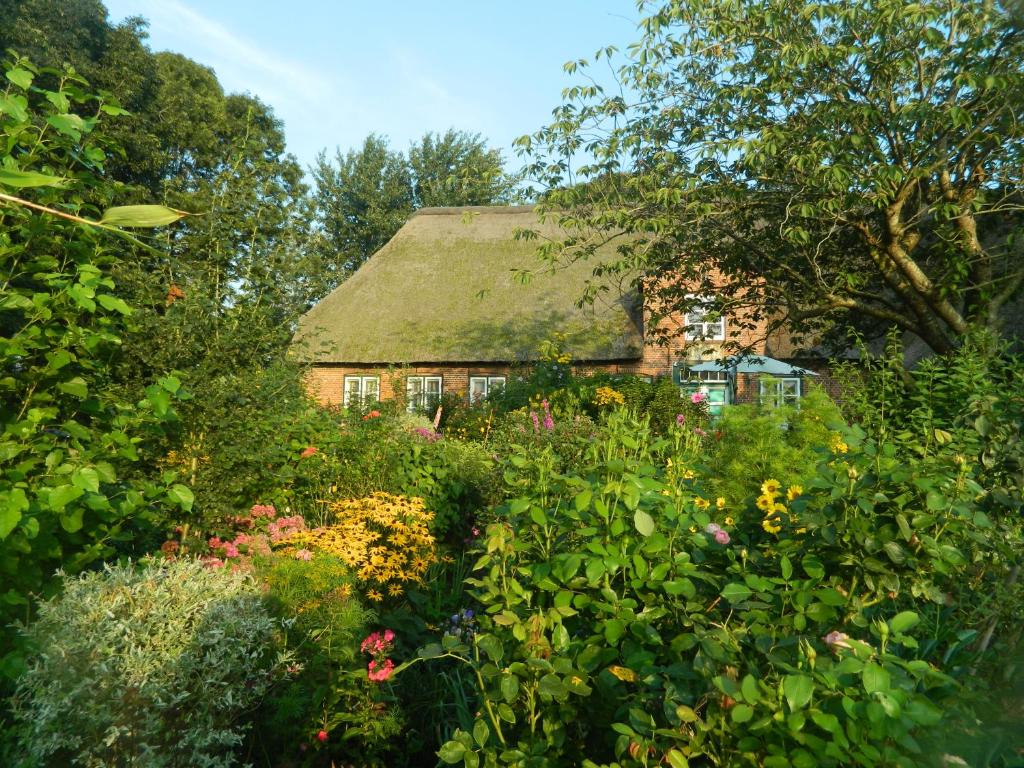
(784, 443)
(331, 693)
(149, 666)
(628, 620)
(384, 539)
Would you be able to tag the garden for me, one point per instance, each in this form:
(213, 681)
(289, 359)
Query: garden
(200, 565)
(577, 571)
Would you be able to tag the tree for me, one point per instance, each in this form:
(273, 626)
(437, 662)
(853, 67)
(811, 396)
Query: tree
(457, 169)
(361, 199)
(813, 163)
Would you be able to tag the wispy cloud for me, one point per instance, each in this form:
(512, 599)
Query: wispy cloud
(301, 95)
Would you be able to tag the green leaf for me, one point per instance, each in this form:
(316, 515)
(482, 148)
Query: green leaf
(12, 504)
(451, 752)
(676, 759)
(644, 522)
(182, 495)
(797, 690)
(736, 592)
(741, 713)
(69, 125)
(813, 566)
(509, 687)
(86, 478)
(20, 77)
(552, 685)
(72, 522)
(751, 693)
(787, 568)
(75, 387)
(613, 630)
(901, 622)
(62, 495)
(22, 179)
(141, 216)
(114, 304)
(15, 106)
(481, 733)
(875, 677)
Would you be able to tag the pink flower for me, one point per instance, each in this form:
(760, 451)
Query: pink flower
(835, 640)
(475, 531)
(698, 397)
(722, 537)
(536, 422)
(230, 550)
(680, 419)
(308, 452)
(699, 432)
(389, 636)
(322, 736)
(304, 554)
(380, 673)
(712, 528)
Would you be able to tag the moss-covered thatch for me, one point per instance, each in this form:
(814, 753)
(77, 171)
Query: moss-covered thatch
(446, 289)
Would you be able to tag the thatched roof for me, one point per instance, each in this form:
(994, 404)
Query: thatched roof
(446, 289)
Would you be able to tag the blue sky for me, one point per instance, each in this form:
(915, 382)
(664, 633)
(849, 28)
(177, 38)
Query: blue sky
(336, 71)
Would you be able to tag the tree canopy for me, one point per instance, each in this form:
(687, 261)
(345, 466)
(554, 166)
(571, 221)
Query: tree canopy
(818, 164)
(362, 198)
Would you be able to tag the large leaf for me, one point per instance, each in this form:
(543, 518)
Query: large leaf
(798, 690)
(644, 522)
(141, 216)
(12, 504)
(22, 179)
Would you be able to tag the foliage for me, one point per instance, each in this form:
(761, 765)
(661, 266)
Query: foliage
(362, 198)
(455, 479)
(384, 539)
(71, 444)
(456, 169)
(152, 666)
(966, 404)
(785, 443)
(330, 693)
(628, 621)
(807, 164)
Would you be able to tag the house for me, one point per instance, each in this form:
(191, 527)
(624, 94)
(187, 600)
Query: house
(456, 301)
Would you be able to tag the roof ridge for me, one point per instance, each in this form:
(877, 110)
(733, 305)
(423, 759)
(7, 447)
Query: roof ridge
(456, 209)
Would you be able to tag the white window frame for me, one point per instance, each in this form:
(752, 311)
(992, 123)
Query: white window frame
(488, 384)
(772, 390)
(367, 387)
(417, 391)
(697, 327)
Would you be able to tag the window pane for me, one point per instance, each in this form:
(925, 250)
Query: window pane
(371, 389)
(477, 388)
(433, 386)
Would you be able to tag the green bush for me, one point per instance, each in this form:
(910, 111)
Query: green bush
(330, 693)
(783, 443)
(626, 621)
(148, 666)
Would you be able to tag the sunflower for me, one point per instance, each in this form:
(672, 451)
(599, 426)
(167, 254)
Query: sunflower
(793, 491)
(765, 503)
(771, 487)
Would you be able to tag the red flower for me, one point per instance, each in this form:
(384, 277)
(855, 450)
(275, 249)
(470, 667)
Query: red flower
(308, 452)
(371, 415)
(322, 735)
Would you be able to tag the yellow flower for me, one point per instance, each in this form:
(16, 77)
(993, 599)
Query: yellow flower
(801, 530)
(720, 502)
(701, 503)
(779, 509)
(374, 595)
(770, 487)
(689, 474)
(395, 590)
(728, 520)
(768, 526)
(765, 503)
(345, 590)
(793, 491)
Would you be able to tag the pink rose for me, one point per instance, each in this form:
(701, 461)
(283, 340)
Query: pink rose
(698, 397)
(722, 537)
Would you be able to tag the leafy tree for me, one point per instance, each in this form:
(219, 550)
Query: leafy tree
(455, 169)
(71, 445)
(361, 199)
(812, 163)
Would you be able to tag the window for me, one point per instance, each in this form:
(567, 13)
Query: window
(360, 390)
(481, 387)
(704, 322)
(422, 393)
(779, 391)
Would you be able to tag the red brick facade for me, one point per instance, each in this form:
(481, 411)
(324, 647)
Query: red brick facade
(326, 380)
